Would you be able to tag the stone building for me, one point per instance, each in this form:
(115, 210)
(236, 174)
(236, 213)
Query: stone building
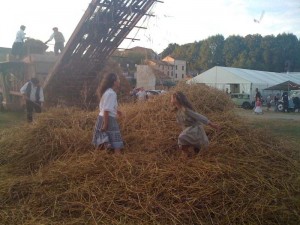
(160, 74)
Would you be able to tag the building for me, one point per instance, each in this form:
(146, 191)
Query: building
(163, 73)
(179, 68)
(151, 78)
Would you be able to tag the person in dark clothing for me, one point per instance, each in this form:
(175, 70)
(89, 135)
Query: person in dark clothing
(296, 101)
(276, 99)
(258, 94)
(285, 98)
(1, 102)
(34, 97)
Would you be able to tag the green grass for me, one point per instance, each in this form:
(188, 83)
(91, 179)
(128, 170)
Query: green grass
(8, 119)
(286, 129)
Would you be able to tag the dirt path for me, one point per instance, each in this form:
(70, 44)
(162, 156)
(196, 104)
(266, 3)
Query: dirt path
(270, 115)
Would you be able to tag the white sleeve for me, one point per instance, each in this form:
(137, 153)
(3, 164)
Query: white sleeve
(51, 37)
(109, 102)
(41, 95)
(23, 89)
(22, 36)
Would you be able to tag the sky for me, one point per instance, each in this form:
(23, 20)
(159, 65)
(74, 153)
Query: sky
(174, 21)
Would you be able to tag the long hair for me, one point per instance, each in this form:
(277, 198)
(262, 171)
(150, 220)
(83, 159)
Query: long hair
(107, 82)
(182, 100)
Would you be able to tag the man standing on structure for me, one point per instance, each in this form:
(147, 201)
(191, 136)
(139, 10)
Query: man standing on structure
(59, 40)
(34, 97)
(18, 45)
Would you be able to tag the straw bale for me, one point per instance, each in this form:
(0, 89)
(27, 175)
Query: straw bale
(52, 175)
(35, 46)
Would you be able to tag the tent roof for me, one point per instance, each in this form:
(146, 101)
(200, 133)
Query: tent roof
(284, 86)
(237, 75)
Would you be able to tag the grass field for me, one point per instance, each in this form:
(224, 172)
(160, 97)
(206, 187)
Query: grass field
(8, 119)
(280, 128)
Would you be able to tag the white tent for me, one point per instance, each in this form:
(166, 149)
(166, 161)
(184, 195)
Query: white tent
(243, 80)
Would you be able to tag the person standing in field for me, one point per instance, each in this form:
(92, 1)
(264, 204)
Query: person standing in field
(193, 134)
(258, 106)
(107, 131)
(268, 102)
(59, 40)
(285, 99)
(1, 102)
(276, 99)
(34, 97)
(257, 94)
(18, 45)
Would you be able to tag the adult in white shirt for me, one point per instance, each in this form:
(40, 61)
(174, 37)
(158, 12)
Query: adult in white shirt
(107, 131)
(34, 97)
(18, 45)
(59, 40)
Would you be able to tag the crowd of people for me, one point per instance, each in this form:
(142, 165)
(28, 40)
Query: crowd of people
(277, 99)
(285, 102)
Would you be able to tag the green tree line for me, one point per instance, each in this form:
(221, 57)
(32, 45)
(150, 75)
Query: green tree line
(279, 53)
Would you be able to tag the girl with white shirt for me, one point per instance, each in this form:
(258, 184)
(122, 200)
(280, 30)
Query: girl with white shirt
(107, 131)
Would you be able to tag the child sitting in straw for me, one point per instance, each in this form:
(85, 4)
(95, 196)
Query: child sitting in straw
(107, 129)
(193, 134)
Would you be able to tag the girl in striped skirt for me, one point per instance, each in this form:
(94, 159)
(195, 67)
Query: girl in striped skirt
(107, 129)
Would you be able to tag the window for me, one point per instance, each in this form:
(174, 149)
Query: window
(176, 75)
(176, 67)
(182, 67)
(182, 76)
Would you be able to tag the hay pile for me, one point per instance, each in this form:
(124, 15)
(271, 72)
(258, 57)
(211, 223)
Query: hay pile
(34, 46)
(50, 174)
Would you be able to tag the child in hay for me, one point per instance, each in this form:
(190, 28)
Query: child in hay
(193, 134)
(258, 106)
(107, 131)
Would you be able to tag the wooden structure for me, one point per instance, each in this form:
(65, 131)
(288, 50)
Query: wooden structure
(14, 74)
(104, 25)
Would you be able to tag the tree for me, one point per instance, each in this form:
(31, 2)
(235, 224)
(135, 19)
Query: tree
(288, 52)
(233, 46)
(211, 52)
(268, 46)
(169, 50)
(254, 52)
